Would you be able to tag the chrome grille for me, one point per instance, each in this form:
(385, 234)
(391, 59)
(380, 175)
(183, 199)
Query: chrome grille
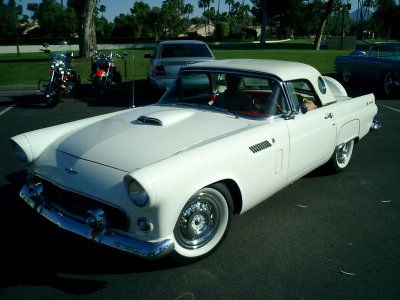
(77, 206)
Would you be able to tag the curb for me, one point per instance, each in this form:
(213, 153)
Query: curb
(18, 87)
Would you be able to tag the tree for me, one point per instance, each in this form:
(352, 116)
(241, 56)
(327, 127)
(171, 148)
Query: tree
(188, 10)
(222, 30)
(329, 6)
(33, 8)
(102, 9)
(386, 18)
(87, 31)
(140, 12)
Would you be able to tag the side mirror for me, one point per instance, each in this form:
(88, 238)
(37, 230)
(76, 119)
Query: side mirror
(148, 55)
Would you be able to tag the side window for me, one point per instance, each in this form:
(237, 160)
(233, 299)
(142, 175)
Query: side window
(301, 91)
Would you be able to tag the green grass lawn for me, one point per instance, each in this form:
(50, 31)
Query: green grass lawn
(28, 68)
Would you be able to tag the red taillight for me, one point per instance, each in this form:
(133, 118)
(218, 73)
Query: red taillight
(49, 71)
(160, 71)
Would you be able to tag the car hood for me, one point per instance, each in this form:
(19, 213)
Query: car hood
(145, 135)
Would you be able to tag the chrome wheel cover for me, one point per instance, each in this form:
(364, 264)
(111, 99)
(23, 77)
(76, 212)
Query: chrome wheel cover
(198, 221)
(344, 152)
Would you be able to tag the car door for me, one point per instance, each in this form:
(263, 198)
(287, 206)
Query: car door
(312, 135)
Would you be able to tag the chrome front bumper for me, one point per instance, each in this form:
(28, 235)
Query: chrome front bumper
(95, 228)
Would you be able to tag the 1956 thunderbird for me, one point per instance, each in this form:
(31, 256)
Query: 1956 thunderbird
(166, 179)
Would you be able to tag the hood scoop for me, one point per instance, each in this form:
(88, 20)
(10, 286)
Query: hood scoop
(149, 121)
(163, 118)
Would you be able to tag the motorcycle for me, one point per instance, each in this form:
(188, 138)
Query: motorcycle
(104, 71)
(63, 80)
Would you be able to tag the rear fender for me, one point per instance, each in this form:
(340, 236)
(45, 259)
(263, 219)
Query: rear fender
(349, 131)
(100, 73)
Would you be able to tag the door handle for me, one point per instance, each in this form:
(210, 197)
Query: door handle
(329, 116)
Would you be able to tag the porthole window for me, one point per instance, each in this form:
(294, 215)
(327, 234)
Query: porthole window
(321, 85)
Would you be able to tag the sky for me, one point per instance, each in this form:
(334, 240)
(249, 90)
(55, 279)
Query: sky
(116, 7)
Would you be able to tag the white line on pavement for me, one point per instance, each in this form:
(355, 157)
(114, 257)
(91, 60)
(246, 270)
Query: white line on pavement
(388, 107)
(6, 110)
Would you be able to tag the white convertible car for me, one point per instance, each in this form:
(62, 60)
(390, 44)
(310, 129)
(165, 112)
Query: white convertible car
(166, 179)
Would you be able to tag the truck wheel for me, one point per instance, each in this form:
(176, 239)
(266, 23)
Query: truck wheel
(387, 83)
(203, 223)
(341, 157)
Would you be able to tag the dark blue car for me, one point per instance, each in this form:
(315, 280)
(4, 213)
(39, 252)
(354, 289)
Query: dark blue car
(380, 64)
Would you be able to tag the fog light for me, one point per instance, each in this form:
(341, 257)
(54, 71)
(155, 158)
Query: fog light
(143, 224)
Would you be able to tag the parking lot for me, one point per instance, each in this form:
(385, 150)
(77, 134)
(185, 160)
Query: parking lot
(323, 237)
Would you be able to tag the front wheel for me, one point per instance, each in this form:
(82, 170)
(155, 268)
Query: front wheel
(387, 83)
(342, 155)
(345, 76)
(52, 95)
(203, 223)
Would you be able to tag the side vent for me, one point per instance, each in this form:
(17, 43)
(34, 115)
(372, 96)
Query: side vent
(260, 146)
(149, 121)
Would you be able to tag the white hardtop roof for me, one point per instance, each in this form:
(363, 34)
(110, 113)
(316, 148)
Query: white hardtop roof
(285, 70)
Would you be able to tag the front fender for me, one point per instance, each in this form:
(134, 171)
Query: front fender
(35, 142)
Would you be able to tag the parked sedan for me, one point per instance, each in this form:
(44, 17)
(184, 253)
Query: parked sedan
(166, 179)
(170, 56)
(378, 65)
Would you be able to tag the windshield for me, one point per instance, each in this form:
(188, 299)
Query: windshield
(246, 95)
(185, 50)
(61, 54)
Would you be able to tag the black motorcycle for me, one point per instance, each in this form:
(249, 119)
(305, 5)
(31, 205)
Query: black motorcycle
(104, 71)
(63, 80)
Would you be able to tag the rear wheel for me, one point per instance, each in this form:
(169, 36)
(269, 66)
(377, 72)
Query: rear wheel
(100, 85)
(203, 223)
(342, 155)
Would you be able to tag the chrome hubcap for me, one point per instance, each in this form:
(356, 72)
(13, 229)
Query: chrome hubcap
(343, 152)
(388, 83)
(198, 222)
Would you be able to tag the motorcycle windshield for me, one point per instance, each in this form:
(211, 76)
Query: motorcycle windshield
(62, 55)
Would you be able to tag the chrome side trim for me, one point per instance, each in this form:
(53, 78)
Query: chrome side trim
(32, 195)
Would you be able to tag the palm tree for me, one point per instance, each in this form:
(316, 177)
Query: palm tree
(102, 9)
(188, 9)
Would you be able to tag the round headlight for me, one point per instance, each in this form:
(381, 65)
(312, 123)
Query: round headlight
(137, 193)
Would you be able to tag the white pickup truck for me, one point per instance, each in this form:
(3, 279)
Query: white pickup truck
(167, 178)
